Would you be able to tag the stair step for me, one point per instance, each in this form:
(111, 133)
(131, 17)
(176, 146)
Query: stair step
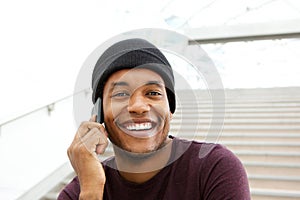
(243, 121)
(268, 156)
(50, 196)
(262, 146)
(253, 138)
(267, 194)
(226, 115)
(263, 105)
(295, 128)
(224, 137)
(247, 134)
(196, 109)
(283, 169)
(274, 182)
(241, 110)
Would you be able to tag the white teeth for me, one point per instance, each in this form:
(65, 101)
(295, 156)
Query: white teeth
(139, 126)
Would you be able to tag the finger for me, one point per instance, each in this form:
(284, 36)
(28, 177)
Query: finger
(102, 144)
(93, 118)
(91, 125)
(100, 149)
(103, 130)
(93, 138)
(85, 127)
(96, 136)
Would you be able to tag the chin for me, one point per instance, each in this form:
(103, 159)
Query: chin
(135, 155)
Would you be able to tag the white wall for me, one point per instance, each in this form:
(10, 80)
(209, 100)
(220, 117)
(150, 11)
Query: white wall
(32, 147)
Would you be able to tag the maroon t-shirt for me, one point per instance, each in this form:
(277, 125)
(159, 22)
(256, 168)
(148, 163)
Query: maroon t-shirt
(202, 171)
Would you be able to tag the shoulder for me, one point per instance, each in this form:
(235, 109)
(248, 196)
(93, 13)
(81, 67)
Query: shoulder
(203, 151)
(222, 174)
(211, 156)
(201, 157)
(219, 157)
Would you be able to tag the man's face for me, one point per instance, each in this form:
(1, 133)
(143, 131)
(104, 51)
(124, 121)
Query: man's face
(136, 110)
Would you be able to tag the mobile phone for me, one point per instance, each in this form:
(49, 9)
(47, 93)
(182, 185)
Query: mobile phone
(97, 110)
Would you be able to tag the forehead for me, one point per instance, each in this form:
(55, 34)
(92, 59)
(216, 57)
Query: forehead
(134, 77)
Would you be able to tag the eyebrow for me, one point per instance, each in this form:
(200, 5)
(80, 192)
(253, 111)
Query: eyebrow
(158, 83)
(123, 83)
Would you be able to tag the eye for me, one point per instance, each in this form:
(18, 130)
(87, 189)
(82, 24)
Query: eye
(154, 93)
(120, 94)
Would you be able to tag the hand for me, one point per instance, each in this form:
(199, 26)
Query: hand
(90, 140)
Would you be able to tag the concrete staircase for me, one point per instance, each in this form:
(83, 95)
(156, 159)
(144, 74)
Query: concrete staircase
(261, 126)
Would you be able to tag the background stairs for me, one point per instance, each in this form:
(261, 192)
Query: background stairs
(261, 126)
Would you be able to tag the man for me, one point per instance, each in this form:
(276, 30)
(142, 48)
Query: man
(135, 84)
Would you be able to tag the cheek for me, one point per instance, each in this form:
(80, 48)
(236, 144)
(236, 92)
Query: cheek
(112, 109)
(117, 108)
(162, 109)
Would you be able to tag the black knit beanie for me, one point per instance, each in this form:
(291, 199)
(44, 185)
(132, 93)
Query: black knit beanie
(128, 54)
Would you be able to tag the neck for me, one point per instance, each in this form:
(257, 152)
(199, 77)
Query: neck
(139, 169)
(138, 177)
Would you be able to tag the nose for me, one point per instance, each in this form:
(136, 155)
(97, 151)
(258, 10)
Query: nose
(138, 104)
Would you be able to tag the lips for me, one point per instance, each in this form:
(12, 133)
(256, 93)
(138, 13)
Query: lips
(138, 128)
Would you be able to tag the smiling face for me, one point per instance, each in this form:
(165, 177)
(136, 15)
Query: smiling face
(136, 110)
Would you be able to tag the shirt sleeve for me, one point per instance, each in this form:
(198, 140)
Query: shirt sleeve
(70, 191)
(225, 176)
